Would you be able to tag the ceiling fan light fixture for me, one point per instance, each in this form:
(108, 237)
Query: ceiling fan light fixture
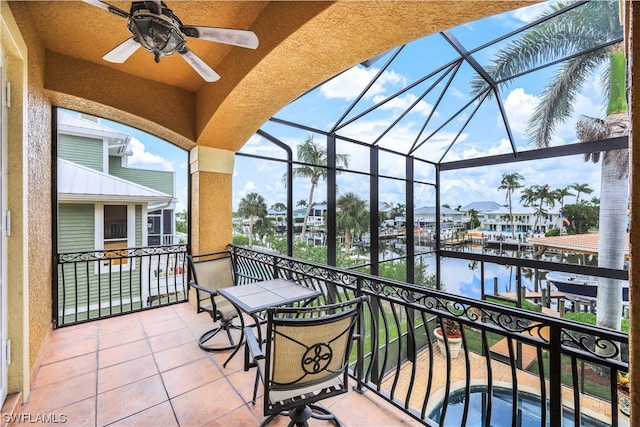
(156, 28)
(158, 34)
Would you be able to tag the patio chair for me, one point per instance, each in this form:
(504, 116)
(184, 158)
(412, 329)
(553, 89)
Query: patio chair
(210, 272)
(305, 360)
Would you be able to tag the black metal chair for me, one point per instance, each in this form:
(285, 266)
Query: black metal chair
(210, 272)
(305, 360)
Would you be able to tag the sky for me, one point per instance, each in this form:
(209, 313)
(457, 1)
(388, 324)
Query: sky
(484, 134)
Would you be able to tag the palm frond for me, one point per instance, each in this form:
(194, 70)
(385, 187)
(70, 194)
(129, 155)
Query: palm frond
(591, 129)
(556, 102)
(574, 31)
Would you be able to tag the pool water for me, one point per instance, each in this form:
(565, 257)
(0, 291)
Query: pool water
(529, 413)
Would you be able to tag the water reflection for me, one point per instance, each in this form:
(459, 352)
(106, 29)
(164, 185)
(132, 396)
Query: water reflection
(462, 277)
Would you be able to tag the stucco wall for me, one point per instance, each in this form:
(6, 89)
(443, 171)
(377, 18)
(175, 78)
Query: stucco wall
(211, 220)
(29, 194)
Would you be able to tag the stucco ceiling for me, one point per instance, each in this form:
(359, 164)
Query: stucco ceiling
(301, 43)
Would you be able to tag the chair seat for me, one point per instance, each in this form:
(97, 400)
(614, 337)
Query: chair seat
(223, 306)
(285, 396)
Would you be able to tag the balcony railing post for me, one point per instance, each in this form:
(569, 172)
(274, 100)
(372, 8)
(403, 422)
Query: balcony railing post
(359, 369)
(276, 268)
(555, 375)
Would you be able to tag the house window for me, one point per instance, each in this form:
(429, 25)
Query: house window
(154, 227)
(160, 227)
(115, 233)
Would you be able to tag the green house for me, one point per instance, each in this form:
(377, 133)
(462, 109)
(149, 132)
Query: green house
(106, 209)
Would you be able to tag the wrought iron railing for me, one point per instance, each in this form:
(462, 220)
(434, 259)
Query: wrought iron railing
(559, 372)
(92, 285)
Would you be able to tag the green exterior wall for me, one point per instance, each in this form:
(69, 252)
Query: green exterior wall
(76, 227)
(82, 150)
(158, 180)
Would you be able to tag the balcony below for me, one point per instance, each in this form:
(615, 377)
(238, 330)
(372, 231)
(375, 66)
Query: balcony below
(146, 368)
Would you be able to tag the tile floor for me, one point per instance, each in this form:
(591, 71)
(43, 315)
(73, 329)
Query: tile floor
(146, 369)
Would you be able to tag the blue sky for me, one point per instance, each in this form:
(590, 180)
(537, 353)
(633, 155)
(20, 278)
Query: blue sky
(484, 135)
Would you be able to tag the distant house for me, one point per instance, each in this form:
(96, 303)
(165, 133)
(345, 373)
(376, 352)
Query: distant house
(494, 218)
(117, 205)
(104, 205)
(426, 217)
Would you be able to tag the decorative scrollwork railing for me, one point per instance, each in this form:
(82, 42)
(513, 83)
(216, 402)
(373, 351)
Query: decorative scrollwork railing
(570, 367)
(96, 284)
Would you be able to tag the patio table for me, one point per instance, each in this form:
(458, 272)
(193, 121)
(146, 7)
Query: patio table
(259, 296)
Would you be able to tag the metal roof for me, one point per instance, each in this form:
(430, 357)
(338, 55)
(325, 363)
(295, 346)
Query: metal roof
(83, 184)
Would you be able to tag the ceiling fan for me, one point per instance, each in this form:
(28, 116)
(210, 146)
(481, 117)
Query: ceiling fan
(156, 28)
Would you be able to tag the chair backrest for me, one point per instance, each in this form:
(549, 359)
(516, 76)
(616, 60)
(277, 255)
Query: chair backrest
(307, 347)
(212, 271)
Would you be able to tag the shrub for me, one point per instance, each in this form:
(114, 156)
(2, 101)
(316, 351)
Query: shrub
(552, 232)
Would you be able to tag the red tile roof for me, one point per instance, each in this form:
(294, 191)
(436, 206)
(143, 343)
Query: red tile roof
(579, 243)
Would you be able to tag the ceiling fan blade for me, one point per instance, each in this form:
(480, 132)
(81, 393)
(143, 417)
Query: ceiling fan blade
(242, 38)
(199, 66)
(122, 52)
(108, 8)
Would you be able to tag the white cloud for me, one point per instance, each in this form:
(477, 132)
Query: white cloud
(519, 105)
(143, 158)
(531, 13)
(350, 84)
(249, 187)
(456, 93)
(403, 102)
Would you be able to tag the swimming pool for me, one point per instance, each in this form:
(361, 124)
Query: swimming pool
(501, 412)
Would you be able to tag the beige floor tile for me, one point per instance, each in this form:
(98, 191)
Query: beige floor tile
(122, 353)
(171, 339)
(124, 401)
(62, 393)
(178, 356)
(205, 404)
(65, 369)
(66, 348)
(157, 416)
(117, 338)
(163, 326)
(126, 373)
(107, 374)
(240, 417)
(190, 376)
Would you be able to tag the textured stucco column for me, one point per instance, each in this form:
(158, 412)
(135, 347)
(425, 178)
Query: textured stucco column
(17, 273)
(211, 172)
(633, 29)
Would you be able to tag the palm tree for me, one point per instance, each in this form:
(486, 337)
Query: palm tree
(529, 197)
(252, 206)
(474, 221)
(545, 196)
(576, 30)
(561, 193)
(314, 155)
(510, 182)
(352, 216)
(581, 188)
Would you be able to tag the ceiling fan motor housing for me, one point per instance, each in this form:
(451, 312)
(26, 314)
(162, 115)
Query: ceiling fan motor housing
(159, 33)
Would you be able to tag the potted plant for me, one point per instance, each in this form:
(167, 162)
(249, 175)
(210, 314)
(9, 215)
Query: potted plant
(624, 397)
(454, 337)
